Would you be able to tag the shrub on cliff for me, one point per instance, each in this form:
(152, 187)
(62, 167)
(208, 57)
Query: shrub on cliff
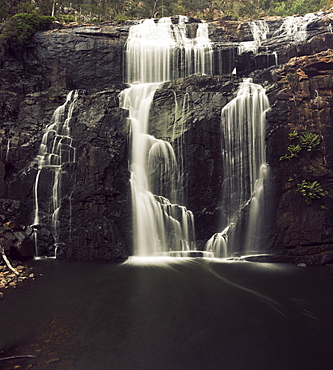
(19, 28)
(291, 7)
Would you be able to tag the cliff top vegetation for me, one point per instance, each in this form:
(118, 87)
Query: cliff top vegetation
(108, 10)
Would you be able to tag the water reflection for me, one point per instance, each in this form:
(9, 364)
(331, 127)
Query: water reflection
(171, 313)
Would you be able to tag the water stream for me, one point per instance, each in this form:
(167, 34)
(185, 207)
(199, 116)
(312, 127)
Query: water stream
(293, 29)
(158, 51)
(56, 149)
(169, 313)
(243, 127)
(259, 30)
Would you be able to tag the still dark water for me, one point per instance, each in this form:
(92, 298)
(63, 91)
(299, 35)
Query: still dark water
(170, 314)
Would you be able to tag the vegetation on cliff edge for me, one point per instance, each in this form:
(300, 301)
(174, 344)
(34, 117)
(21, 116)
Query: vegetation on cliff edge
(19, 28)
(99, 10)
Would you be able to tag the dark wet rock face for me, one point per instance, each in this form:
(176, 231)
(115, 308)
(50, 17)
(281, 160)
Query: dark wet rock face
(188, 113)
(95, 209)
(99, 227)
(71, 58)
(301, 110)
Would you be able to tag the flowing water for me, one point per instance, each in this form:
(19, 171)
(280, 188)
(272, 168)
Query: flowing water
(259, 30)
(170, 314)
(158, 51)
(243, 127)
(295, 28)
(292, 29)
(55, 150)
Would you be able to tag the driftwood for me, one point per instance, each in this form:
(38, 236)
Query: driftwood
(9, 265)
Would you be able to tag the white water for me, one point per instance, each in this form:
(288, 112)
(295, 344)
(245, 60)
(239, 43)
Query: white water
(157, 52)
(8, 150)
(292, 29)
(259, 31)
(161, 51)
(218, 243)
(295, 28)
(55, 150)
(244, 165)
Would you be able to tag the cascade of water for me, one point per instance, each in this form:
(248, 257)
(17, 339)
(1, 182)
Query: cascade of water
(159, 225)
(292, 29)
(259, 30)
(55, 150)
(162, 51)
(244, 161)
(157, 52)
(8, 149)
(218, 243)
(295, 28)
(276, 58)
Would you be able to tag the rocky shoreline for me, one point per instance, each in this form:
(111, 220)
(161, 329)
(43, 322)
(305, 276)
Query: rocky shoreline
(9, 280)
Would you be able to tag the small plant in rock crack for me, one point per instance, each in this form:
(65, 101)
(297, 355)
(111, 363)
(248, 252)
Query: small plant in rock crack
(309, 141)
(293, 151)
(311, 190)
(292, 135)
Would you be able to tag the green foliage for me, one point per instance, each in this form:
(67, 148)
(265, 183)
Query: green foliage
(131, 9)
(121, 17)
(18, 30)
(66, 18)
(309, 141)
(45, 6)
(23, 7)
(8, 8)
(311, 190)
(293, 151)
(291, 7)
(292, 135)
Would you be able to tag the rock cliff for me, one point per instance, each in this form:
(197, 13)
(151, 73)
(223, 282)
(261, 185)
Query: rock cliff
(95, 214)
(300, 156)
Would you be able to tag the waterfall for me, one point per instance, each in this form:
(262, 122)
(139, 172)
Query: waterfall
(161, 51)
(292, 29)
(295, 28)
(259, 30)
(8, 150)
(56, 149)
(158, 51)
(244, 168)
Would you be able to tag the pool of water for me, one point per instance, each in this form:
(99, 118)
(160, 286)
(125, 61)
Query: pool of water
(170, 314)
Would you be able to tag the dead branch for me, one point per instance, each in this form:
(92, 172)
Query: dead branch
(2, 252)
(16, 357)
